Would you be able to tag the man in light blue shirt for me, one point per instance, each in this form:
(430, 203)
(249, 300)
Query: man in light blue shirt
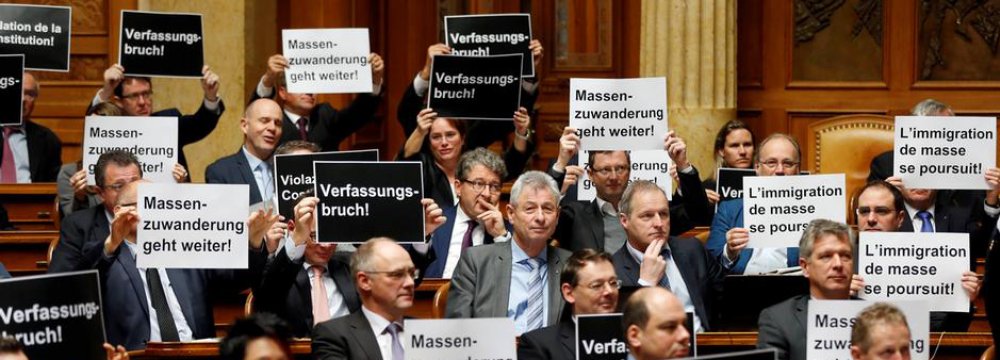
(261, 125)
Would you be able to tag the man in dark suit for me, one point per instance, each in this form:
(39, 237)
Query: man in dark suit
(113, 171)
(319, 123)
(594, 224)
(35, 151)
(261, 125)
(651, 257)
(385, 277)
(589, 284)
(134, 95)
(156, 304)
(476, 220)
(517, 279)
(827, 260)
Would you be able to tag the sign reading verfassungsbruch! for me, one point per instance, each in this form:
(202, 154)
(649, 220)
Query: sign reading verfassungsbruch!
(491, 34)
(476, 87)
(161, 44)
(358, 198)
(40, 32)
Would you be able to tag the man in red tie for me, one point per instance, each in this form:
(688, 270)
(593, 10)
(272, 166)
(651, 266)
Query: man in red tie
(30, 152)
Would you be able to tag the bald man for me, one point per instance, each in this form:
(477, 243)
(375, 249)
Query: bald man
(261, 125)
(653, 319)
(36, 151)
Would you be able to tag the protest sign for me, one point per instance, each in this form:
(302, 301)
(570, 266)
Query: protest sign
(11, 89)
(476, 87)
(915, 266)
(729, 182)
(600, 337)
(153, 140)
(459, 339)
(829, 323)
(776, 209)
(40, 32)
(161, 44)
(491, 34)
(944, 152)
(652, 165)
(193, 226)
(327, 61)
(359, 199)
(293, 174)
(619, 114)
(54, 315)
(759, 354)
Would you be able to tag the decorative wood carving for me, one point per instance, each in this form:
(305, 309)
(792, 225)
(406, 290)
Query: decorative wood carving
(811, 16)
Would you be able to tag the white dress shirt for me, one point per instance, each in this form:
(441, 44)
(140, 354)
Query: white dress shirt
(676, 280)
(384, 339)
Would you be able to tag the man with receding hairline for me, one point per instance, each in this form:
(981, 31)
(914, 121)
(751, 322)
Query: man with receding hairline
(261, 125)
(653, 320)
(880, 331)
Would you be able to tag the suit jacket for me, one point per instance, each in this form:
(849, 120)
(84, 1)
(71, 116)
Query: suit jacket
(702, 274)
(728, 216)
(190, 128)
(88, 226)
(234, 169)
(126, 321)
(347, 337)
(44, 152)
(786, 333)
(441, 242)
(556, 342)
(436, 183)
(327, 126)
(286, 291)
(480, 285)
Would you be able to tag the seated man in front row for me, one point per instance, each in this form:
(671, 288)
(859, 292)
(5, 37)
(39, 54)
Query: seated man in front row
(653, 320)
(516, 279)
(880, 332)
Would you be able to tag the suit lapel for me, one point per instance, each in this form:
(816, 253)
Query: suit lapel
(631, 267)
(686, 269)
(344, 285)
(567, 336)
(597, 226)
(247, 173)
(305, 293)
(801, 312)
(34, 147)
(941, 216)
(503, 267)
(124, 259)
(362, 332)
(554, 293)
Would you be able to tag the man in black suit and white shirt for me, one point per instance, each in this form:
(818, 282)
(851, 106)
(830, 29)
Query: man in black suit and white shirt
(261, 125)
(35, 151)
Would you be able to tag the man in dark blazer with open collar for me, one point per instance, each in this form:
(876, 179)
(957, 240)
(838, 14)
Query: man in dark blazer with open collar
(495, 280)
(43, 146)
(252, 165)
(324, 125)
(652, 257)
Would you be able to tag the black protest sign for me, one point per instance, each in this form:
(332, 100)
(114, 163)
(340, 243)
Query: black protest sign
(11, 89)
(729, 182)
(471, 87)
(293, 174)
(54, 315)
(161, 44)
(363, 199)
(40, 32)
(600, 337)
(494, 34)
(760, 354)
(689, 325)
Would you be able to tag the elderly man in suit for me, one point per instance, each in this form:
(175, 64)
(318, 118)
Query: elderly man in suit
(30, 152)
(652, 257)
(516, 279)
(261, 125)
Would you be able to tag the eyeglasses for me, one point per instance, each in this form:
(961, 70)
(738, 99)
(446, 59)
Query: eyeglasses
(119, 185)
(773, 164)
(599, 285)
(479, 186)
(605, 171)
(413, 273)
(879, 210)
(148, 94)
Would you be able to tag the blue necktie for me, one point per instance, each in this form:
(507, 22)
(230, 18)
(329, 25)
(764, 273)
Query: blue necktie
(925, 218)
(535, 299)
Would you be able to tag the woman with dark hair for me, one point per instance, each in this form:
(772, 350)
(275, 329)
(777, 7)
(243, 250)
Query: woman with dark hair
(733, 149)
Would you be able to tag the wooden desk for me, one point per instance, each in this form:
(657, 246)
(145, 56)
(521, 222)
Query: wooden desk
(31, 206)
(26, 252)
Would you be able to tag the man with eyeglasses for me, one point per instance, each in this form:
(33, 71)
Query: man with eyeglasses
(879, 206)
(517, 279)
(134, 94)
(777, 155)
(652, 257)
(594, 224)
(589, 285)
(113, 171)
(30, 152)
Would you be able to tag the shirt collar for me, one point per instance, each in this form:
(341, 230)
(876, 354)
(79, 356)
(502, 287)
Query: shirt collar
(912, 211)
(377, 322)
(460, 216)
(606, 207)
(637, 255)
(294, 118)
(252, 160)
(518, 255)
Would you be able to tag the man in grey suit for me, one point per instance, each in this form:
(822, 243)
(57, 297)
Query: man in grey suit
(826, 256)
(518, 279)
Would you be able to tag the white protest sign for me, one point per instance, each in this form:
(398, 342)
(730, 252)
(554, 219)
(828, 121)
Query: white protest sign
(915, 266)
(652, 165)
(459, 339)
(944, 152)
(327, 61)
(193, 225)
(153, 140)
(829, 323)
(776, 209)
(619, 114)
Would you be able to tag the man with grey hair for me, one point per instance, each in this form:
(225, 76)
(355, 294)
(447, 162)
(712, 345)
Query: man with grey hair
(651, 257)
(517, 279)
(476, 219)
(826, 254)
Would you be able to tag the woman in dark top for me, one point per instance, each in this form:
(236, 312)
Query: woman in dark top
(734, 146)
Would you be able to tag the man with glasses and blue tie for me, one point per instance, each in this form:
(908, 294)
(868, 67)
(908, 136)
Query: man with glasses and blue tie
(261, 125)
(517, 279)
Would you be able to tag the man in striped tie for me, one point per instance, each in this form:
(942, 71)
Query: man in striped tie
(517, 279)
